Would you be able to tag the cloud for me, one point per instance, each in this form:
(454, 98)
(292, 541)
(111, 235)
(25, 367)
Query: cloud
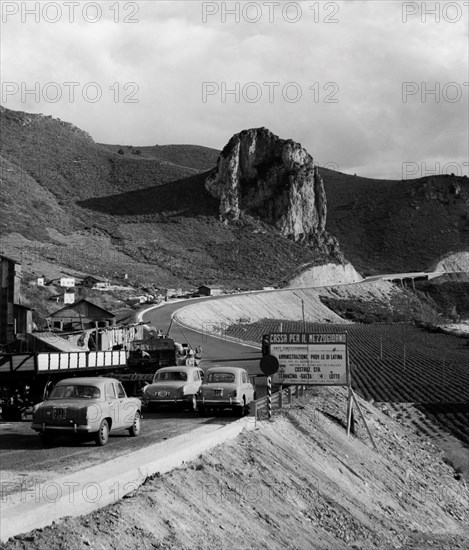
(348, 60)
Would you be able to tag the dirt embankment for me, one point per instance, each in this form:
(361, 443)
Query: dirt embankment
(217, 315)
(295, 483)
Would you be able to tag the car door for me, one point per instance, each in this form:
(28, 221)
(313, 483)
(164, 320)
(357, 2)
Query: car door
(196, 381)
(127, 407)
(247, 387)
(112, 405)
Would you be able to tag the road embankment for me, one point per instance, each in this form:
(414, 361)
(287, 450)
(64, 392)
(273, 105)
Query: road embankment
(39, 504)
(297, 482)
(213, 316)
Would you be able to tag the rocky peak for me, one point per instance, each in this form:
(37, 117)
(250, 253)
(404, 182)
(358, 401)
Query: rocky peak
(275, 179)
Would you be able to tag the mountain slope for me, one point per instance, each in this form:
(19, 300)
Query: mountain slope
(397, 226)
(146, 210)
(154, 219)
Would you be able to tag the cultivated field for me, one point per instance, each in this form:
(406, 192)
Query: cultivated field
(398, 363)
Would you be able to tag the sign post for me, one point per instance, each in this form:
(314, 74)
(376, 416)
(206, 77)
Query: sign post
(310, 359)
(269, 365)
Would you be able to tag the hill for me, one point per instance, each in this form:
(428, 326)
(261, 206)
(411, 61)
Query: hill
(107, 209)
(95, 210)
(387, 226)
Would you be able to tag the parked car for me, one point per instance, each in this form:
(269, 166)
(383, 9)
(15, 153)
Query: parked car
(87, 407)
(174, 386)
(225, 387)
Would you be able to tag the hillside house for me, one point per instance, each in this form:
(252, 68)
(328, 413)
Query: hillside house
(82, 315)
(63, 298)
(15, 319)
(90, 281)
(64, 282)
(209, 291)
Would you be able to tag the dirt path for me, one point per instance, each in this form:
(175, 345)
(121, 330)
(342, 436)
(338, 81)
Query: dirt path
(297, 483)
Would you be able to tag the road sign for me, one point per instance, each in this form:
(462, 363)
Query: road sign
(269, 365)
(310, 358)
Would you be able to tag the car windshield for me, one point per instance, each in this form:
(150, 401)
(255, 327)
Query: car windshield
(226, 377)
(172, 375)
(75, 391)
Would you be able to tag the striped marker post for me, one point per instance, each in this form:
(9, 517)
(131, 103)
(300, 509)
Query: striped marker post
(269, 396)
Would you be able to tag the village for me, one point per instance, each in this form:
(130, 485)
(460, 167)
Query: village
(77, 333)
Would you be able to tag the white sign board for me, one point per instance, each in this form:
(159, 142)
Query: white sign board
(310, 358)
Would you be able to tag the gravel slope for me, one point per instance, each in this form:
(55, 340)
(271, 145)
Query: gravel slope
(297, 482)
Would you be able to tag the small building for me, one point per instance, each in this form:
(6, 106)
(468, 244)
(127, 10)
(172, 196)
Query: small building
(209, 291)
(89, 281)
(69, 297)
(82, 315)
(14, 318)
(67, 282)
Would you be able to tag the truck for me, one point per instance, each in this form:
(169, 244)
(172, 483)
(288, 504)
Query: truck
(151, 353)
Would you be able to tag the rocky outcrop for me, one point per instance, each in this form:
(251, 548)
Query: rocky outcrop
(274, 179)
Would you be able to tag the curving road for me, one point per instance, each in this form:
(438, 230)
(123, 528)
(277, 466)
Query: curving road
(216, 351)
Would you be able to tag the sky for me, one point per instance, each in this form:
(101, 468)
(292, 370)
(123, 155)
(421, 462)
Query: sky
(377, 88)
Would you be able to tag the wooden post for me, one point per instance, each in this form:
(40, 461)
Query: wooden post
(290, 395)
(280, 397)
(269, 397)
(350, 419)
(253, 410)
(297, 391)
(364, 420)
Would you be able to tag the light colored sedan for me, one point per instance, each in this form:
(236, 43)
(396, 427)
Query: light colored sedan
(87, 407)
(225, 387)
(174, 386)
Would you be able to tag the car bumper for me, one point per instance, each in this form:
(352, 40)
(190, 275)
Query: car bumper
(72, 428)
(167, 401)
(230, 402)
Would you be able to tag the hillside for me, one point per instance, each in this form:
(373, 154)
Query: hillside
(386, 226)
(95, 210)
(144, 210)
(296, 482)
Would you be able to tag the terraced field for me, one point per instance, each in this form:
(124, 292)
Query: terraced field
(398, 363)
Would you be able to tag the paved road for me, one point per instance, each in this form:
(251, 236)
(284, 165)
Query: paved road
(216, 351)
(26, 460)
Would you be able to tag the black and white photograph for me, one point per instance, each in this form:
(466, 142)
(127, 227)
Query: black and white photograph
(234, 275)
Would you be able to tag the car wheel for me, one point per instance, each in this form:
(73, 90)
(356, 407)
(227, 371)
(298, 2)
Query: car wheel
(46, 438)
(240, 410)
(136, 427)
(102, 435)
(202, 411)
